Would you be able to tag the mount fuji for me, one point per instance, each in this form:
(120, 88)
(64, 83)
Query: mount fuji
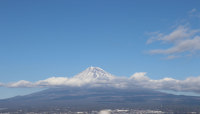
(87, 97)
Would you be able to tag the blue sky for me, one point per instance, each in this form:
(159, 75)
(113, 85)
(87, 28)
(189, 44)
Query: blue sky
(44, 38)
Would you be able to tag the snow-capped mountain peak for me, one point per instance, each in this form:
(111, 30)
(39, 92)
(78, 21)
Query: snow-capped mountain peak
(95, 74)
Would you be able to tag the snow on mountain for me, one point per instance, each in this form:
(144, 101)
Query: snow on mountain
(92, 74)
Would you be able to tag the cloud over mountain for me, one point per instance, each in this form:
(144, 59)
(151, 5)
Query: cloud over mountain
(21, 83)
(97, 77)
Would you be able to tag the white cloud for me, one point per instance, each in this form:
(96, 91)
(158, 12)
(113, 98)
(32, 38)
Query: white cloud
(189, 45)
(182, 39)
(139, 79)
(139, 76)
(180, 33)
(190, 84)
(21, 83)
(53, 81)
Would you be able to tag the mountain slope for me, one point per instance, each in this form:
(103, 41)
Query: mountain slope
(77, 98)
